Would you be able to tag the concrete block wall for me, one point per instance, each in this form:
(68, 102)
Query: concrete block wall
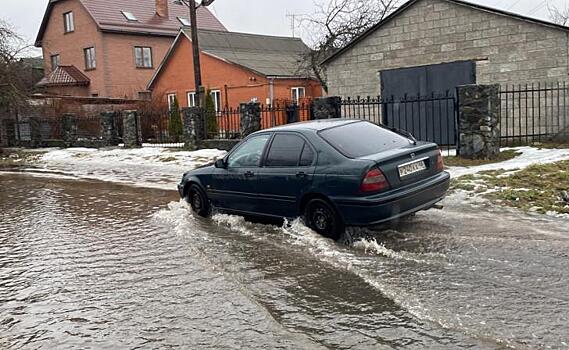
(506, 50)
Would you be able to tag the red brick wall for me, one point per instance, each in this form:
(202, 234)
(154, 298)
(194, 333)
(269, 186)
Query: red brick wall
(116, 74)
(177, 76)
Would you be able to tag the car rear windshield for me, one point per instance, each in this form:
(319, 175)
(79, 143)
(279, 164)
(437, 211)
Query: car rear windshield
(360, 139)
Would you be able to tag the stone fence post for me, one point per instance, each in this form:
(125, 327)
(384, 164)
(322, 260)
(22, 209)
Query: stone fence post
(35, 132)
(69, 129)
(132, 135)
(8, 133)
(327, 107)
(109, 131)
(194, 126)
(250, 118)
(478, 121)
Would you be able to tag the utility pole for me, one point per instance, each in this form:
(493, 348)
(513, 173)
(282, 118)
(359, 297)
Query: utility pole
(200, 91)
(200, 98)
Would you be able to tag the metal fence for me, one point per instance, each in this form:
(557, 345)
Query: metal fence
(226, 124)
(534, 113)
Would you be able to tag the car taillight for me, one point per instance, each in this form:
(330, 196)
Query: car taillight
(440, 162)
(374, 181)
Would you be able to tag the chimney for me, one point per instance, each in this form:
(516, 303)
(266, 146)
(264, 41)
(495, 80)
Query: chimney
(162, 8)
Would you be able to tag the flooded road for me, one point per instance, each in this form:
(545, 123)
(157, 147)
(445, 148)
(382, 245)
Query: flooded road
(94, 265)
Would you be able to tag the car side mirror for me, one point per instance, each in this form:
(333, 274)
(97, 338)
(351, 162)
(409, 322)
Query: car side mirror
(220, 163)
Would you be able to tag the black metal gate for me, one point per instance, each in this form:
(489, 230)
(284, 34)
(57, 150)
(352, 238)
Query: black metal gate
(432, 91)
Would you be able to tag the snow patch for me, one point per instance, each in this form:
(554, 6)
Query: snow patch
(144, 167)
(529, 156)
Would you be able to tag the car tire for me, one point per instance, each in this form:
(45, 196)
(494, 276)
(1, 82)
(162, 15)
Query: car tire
(320, 216)
(198, 201)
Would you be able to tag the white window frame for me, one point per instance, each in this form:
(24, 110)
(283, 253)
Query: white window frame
(55, 61)
(216, 94)
(191, 99)
(144, 59)
(295, 93)
(170, 98)
(68, 22)
(90, 58)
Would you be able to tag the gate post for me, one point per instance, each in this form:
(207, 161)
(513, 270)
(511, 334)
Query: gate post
(327, 107)
(250, 118)
(109, 130)
(194, 126)
(8, 133)
(69, 129)
(132, 137)
(478, 121)
(35, 132)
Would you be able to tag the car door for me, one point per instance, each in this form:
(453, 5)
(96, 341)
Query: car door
(234, 187)
(286, 174)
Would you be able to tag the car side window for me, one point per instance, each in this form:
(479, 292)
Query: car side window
(249, 154)
(285, 151)
(307, 156)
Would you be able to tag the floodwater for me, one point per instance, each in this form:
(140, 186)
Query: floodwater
(91, 265)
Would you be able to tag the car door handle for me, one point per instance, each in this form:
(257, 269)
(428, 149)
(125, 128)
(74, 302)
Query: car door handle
(249, 174)
(301, 174)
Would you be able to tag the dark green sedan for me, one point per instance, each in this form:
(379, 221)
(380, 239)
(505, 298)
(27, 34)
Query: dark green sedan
(334, 173)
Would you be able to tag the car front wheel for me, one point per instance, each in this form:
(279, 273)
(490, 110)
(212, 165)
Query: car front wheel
(323, 218)
(198, 201)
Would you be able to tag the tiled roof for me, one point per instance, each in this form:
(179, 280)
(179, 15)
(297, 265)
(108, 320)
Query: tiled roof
(65, 76)
(108, 16)
(270, 56)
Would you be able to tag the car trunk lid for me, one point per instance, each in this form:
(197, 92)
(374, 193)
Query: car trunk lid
(405, 165)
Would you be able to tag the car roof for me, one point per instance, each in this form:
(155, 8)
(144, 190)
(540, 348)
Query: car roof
(316, 125)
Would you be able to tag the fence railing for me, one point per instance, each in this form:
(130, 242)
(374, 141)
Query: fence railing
(534, 113)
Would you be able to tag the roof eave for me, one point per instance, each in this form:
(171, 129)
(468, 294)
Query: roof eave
(409, 3)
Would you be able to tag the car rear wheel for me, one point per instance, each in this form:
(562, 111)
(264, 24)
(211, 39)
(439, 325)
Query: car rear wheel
(323, 218)
(198, 201)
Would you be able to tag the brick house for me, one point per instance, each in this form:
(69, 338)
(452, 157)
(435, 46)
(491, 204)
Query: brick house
(429, 46)
(236, 67)
(109, 48)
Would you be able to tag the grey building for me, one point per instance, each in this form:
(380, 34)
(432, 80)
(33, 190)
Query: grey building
(430, 46)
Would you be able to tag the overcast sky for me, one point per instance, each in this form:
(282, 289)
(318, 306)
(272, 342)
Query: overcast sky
(253, 16)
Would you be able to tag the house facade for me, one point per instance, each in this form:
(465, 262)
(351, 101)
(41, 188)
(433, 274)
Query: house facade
(116, 44)
(429, 46)
(236, 68)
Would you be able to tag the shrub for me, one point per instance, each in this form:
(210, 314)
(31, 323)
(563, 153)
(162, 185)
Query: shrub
(210, 115)
(175, 126)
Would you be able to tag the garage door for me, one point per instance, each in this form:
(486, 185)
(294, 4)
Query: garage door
(428, 118)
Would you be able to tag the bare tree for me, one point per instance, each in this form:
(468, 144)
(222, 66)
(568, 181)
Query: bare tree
(15, 80)
(559, 15)
(335, 24)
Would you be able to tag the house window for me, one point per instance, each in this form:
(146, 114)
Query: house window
(143, 57)
(191, 99)
(55, 61)
(171, 101)
(68, 22)
(185, 22)
(90, 62)
(129, 16)
(216, 94)
(298, 93)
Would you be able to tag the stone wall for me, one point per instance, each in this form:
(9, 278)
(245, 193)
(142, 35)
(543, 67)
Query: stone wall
(506, 50)
(479, 127)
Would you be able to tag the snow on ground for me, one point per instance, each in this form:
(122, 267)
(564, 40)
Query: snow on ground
(529, 156)
(163, 168)
(145, 167)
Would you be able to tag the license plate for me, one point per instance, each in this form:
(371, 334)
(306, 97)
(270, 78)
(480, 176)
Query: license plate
(412, 167)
